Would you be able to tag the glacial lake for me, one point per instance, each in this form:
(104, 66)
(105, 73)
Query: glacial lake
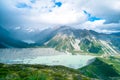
(45, 56)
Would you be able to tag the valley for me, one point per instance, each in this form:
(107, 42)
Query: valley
(78, 53)
(49, 64)
(44, 62)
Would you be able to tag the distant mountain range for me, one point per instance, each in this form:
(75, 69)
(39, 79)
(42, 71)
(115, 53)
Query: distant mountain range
(7, 40)
(67, 39)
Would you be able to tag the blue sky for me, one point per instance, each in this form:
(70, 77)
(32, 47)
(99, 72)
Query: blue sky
(22, 5)
(32, 1)
(59, 4)
(97, 15)
(91, 17)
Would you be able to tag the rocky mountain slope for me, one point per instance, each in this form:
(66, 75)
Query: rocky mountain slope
(84, 41)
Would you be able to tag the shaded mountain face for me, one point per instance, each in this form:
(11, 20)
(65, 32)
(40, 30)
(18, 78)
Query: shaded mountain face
(7, 40)
(68, 39)
(116, 34)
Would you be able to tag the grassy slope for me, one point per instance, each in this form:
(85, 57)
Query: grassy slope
(38, 72)
(103, 68)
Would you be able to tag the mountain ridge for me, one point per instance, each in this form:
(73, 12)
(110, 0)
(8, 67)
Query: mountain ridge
(89, 41)
(72, 40)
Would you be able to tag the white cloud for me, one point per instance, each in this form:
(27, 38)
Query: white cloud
(93, 25)
(99, 26)
(106, 9)
(60, 15)
(44, 13)
(66, 14)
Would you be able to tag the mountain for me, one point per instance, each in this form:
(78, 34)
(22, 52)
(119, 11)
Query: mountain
(103, 69)
(7, 40)
(83, 41)
(67, 39)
